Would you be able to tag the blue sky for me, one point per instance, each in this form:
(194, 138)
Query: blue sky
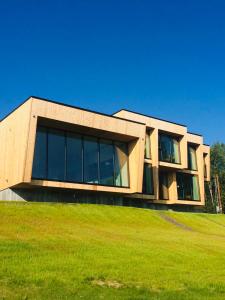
(163, 58)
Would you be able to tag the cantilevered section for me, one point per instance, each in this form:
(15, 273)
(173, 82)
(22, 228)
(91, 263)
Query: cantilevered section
(49, 145)
(177, 161)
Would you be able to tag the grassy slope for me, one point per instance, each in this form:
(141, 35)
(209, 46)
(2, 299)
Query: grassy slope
(56, 251)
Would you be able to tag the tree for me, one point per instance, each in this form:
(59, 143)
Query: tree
(218, 167)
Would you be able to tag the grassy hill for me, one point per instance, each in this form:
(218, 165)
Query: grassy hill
(62, 251)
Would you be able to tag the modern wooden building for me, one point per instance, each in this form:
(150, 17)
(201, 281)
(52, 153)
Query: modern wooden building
(50, 151)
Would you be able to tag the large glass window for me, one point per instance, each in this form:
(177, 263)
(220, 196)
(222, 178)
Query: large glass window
(169, 149)
(187, 187)
(148, 180)
(106, 163)
(74, 157)
(66, 156)
(91, 152)
(147, 145)
(40, 154)
(192, 160)
(56, 155)
(163, 185)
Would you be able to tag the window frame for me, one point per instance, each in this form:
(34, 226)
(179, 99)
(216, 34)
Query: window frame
(152, 180)
(192, 191)
(83, 136)
(171, 138)
(189, 156)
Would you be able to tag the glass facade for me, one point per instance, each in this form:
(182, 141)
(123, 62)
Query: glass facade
(40, 155)
(70, 157)
(147, 145)
(169, 149)
(187, 187)
(163, 185)
(192, 160)
(148, 180)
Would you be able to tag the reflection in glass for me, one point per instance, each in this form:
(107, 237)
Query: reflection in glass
(40, 154)
(106, 163)
(74, 158)
(148, 180)
(90, 160)
(147, 146)
(187, 187)
(192, 161)
(66, 156)
(169, 149)
(56, 155)
(121, 165)
(163, 185)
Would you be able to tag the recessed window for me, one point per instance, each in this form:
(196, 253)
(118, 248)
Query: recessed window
(74, 158)
(205, 165)
(91, 151)
(121, 164)
(192, 160)
(106, 163)
(148, 180)
(66, 156)
(163, 185)
(187, 187)
(147, 145)
(169, 149)
(56, 155)
(40, 154)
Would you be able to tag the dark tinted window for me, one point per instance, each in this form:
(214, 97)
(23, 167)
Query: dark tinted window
(163, 185)
(187, 187)
(40, 154)
(56, 155)
(106, 163)
(91, 160)
(192, 160)
(169, 149)
(65, 156)
(74, 158)
(148, 179)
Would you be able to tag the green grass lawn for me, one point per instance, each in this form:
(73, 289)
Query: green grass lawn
(62, 251)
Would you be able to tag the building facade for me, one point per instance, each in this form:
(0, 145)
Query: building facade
(56, 152)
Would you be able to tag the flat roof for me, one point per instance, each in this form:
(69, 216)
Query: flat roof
(72, 106)
(99, 113)
(148, 116)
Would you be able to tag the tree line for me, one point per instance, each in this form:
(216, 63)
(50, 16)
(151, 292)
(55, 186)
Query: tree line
(217, 161)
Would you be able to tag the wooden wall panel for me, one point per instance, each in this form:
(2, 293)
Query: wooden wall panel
(13, 146)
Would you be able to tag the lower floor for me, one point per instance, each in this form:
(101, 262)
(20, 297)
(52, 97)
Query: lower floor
(72, 196)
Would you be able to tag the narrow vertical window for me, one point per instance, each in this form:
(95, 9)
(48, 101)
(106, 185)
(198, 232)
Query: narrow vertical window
(121, 165)
(74, 158)
(192, 160)
(205, 165)
(91, 165)
(56, 155)
(40, 155)
(106, 162)
(163, 185)
(148, 179)
(147, 145)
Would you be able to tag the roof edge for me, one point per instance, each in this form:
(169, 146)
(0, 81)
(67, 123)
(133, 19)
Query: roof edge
(67, 105)
(148, 116)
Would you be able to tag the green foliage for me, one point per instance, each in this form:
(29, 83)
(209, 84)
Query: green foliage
(218, 166)
(56, 251)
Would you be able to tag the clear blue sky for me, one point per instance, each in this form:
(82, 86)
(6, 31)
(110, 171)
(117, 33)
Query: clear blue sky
(163, 58)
